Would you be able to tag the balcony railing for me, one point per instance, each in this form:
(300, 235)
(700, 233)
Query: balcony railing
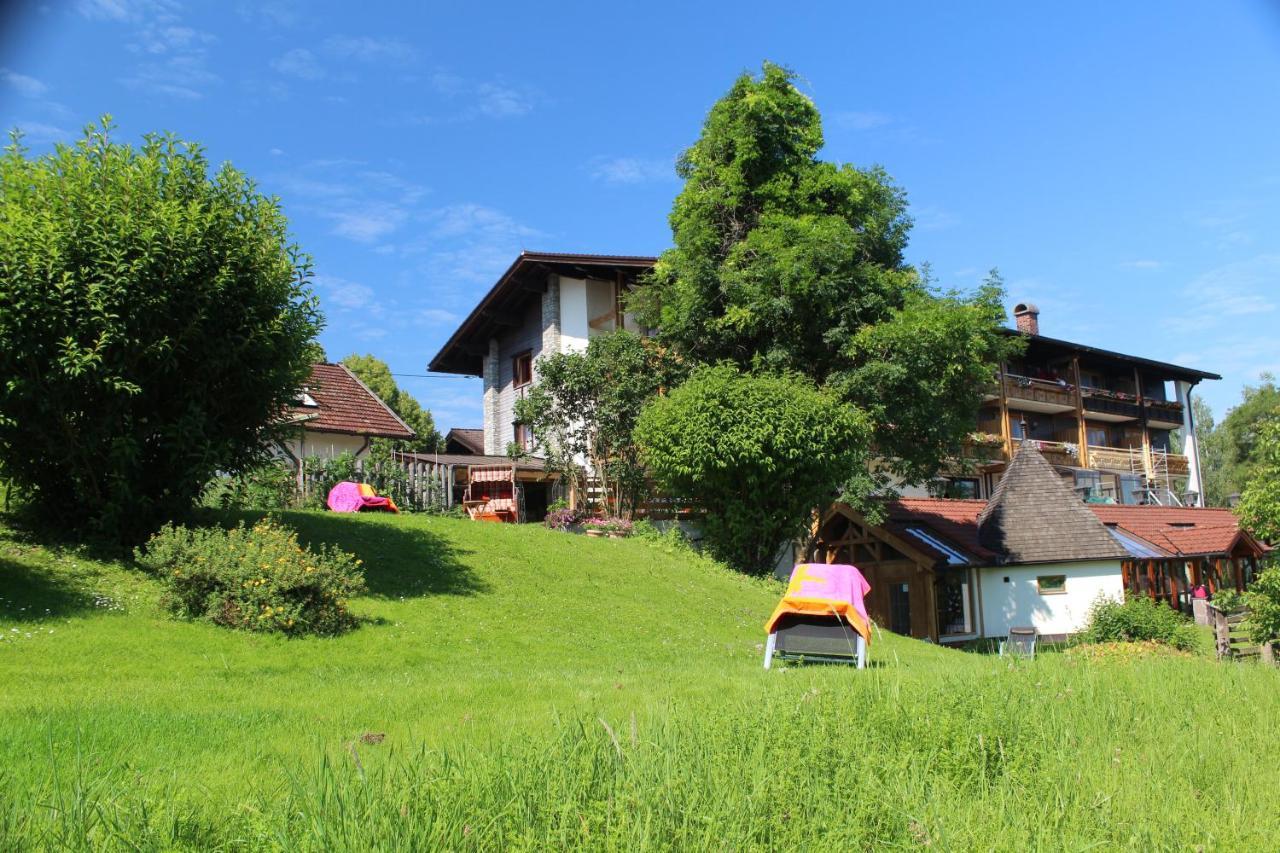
(1111, 403)
(1131, 459)
(1039, 391)
(1164, 411)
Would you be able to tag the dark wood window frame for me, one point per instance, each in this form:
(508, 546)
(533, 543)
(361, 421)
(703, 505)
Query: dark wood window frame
(522, 369)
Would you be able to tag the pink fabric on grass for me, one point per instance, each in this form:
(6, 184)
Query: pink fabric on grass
(346, 497)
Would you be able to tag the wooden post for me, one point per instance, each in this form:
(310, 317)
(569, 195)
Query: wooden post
(1006, 432)
(1146, 437)
(1151, 579)
(1081, 428)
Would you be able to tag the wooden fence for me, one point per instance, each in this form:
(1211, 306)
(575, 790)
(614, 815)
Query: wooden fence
(1232, 638)
(414, 485)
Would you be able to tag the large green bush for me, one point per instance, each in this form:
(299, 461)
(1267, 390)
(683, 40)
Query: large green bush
(1137, 619)
(272, 485)
(154, 322)
(1263, 600)
(757, 453)
(255, 578)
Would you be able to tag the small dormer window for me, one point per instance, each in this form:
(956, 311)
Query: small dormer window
(305, 400)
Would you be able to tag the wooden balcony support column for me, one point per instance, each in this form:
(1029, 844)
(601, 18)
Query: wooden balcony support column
(1147, 465)
(1006, 432)
(1081, 428)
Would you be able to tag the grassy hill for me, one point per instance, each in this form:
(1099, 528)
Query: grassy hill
(535, 689)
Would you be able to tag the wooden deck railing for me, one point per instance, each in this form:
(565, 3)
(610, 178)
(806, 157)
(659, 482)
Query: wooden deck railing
(1039, 390)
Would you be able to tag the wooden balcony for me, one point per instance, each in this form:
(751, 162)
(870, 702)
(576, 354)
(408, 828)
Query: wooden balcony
(1131, 459)
(1110, 406)
(1163, 414)
(983, 447)
(1039, 395)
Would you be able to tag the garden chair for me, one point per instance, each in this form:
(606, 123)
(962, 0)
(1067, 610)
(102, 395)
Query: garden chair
(1021, 642)
(813, 637)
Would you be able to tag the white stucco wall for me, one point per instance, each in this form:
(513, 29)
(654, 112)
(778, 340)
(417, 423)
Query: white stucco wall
(574, 330)
(1018, 603)
(326, 445)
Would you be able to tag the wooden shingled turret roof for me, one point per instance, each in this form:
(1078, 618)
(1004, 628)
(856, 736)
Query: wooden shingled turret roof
(1034, 517)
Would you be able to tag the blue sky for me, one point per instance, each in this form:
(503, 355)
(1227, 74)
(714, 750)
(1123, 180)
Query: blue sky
(1118, 162)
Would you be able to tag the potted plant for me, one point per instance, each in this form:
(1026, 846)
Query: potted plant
(596, 526)
(617, 528)
(561, 518)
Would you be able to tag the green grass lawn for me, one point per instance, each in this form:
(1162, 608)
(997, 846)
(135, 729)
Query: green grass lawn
(537, 690)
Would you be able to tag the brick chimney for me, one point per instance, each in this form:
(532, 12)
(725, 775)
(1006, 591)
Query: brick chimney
(1027, 317)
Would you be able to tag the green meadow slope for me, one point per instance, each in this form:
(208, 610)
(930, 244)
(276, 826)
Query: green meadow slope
(535, 689)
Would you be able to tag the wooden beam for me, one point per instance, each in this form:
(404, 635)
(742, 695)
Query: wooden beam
(1082, 429)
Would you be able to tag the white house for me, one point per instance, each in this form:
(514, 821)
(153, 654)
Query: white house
(1032, 555)
(336, 413)
(544, 303)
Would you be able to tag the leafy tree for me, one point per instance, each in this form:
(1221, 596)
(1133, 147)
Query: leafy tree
(758, 453)
(1213, 474)
(784, 262)
(1260, 502)
(375, 373)
(154, 322)
(585, 405)
(1240, 434)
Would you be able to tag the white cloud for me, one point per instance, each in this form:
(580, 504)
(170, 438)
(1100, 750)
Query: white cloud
(367, 225)
(931, 217)
(631, 170)
(173, 56)
(497, 100)
(298, 62)
(859, 120)
(370, 49)
(470, 220)
(344, 294)
(27, 87)
(1142, 264)
(276, 152)
(39, 133)
(111, 10)
(437, 317)
(277, 13)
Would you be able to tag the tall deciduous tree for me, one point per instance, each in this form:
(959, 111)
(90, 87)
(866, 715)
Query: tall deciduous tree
(375, 373)
(1260, 502)
(155, 320)
(784, 262)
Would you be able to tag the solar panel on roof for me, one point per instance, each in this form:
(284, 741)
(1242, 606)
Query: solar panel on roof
(954, 557)
(1136, 547)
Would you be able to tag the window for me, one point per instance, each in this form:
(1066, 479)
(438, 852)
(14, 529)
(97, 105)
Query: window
(523, 436)
(900, 609)
(522, 369)
(954, 610)
(1052, 584)
(305, 399)
(961, 487)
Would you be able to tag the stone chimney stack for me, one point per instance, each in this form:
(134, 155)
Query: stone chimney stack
(1027, 317)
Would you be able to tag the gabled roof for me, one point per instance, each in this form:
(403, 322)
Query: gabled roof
(1034, 517)
(524, 280)
(335, 400)
(1163, 368)
(464, 440)
(1145, 532)
(950, 520)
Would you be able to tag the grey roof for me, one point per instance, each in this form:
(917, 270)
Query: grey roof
(1034, 517)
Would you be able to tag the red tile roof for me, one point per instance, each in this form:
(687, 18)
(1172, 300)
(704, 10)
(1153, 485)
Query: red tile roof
(1181, 531)
(954, 521)
(344, 404)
